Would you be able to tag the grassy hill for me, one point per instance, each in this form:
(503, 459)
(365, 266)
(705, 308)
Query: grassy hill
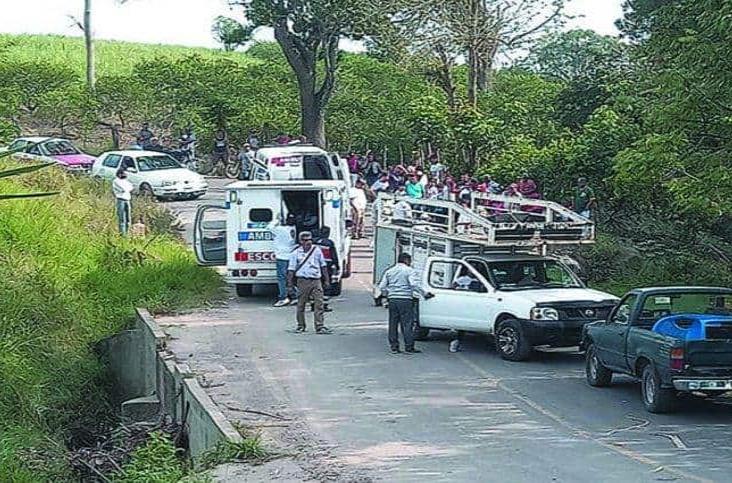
(67, 280)
(42, 82)
(113, 57)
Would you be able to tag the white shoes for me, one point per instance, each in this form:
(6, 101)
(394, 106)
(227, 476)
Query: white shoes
(282, 303)
(454, 345)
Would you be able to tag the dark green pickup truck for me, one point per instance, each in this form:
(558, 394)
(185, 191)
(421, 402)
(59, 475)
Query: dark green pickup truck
(674, 339)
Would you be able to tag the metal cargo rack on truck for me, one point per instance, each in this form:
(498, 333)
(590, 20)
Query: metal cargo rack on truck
(444, 228)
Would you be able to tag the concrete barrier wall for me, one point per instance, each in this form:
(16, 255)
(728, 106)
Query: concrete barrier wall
(149, 384)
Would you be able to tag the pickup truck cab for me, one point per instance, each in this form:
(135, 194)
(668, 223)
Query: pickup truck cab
(674, 339)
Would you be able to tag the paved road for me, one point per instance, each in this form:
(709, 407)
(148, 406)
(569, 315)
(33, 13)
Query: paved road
(356, 412)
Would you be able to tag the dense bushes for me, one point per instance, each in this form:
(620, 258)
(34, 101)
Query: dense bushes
(67, 281)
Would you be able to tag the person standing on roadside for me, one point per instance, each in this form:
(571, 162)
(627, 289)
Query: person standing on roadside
(330, 254)
(122, 190)
(253, 139)
(284, 244)
(309, 267)
(221, 147)
(144, 136)
(359, 202)
(373, 169)
(584, 202)
(398, 285)
(246, 159)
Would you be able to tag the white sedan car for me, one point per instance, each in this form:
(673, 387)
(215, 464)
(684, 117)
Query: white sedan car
(152, 174)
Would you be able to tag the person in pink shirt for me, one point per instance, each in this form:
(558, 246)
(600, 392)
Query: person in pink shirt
(527, 188)
(353, 163)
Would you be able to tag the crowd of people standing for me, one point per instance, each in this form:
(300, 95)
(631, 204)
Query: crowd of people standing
(435, 181)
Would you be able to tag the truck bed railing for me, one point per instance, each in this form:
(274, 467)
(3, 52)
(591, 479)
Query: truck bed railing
(494, 220)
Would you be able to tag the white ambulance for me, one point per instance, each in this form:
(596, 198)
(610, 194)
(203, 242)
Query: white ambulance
(238, 234)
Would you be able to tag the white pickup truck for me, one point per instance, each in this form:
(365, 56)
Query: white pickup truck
(490, 274)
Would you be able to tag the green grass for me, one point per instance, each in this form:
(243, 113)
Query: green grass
(67, 280)
(250, 449)
(112, 57)
(157, 461)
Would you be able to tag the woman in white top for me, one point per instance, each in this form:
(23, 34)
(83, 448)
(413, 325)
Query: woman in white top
(122, 190)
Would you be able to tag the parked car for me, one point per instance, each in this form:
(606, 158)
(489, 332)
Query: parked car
(151, 173)
(674, 339)
(48, 150)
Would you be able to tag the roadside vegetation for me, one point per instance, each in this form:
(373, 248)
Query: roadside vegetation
(67, 280)
(652, 146)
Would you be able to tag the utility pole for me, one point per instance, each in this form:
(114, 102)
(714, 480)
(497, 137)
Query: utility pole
(89, 40)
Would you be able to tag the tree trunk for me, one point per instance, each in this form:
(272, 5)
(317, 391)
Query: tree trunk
(89, 41)
(312, 118)
(485, 68)
(445, 77)
(473, 62)
(303, 60)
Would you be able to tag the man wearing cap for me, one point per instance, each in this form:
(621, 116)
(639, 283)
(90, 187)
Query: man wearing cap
(307, 265)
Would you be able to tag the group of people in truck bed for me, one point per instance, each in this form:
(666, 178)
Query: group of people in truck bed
(436, 182)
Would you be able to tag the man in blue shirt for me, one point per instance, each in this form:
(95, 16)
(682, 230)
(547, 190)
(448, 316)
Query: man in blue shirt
(399, 285)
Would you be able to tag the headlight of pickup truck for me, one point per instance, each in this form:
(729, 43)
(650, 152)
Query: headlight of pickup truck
(544, 313)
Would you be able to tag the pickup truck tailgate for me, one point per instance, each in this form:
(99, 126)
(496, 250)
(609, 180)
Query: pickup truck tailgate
(710, 356)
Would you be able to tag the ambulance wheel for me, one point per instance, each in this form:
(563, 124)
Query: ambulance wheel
(244, 290)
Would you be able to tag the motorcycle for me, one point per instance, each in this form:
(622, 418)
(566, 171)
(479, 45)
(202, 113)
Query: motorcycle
(232, 169)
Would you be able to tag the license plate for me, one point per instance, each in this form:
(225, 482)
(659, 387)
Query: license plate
(254, 257)
(724, 385)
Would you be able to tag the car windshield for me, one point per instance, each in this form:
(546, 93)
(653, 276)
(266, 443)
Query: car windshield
(531, 274)
(662, 305)
(154, 163)
(60, 148)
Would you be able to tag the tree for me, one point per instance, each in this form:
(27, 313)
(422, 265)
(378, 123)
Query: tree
(474, 30)
(309, 31)
(686, 104)
(590, 66)
(230, 33)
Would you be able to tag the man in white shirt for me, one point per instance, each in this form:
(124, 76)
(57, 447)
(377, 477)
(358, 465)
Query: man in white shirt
(122, 190)
(381, 184)
(402, 211)
(284, 245)
(358, 203)
(309, 266)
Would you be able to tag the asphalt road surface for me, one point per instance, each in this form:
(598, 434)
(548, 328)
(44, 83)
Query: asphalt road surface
(349, 410)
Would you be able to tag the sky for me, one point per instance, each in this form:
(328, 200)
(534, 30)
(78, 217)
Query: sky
(188, 22)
